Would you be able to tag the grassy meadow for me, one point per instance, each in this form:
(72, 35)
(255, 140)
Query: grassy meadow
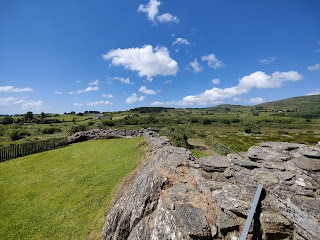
(64, 193)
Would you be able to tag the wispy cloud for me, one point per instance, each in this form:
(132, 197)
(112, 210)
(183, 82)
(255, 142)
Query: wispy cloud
(196, 66)
(123, 80)
(95, 82)
(317, 92)
(90, 104)
(58, 92)
(181, 41)
(135, 98)
(14, 89)
(88, 89)
(215, 81)
(107, 95)
(144, 90)
(147, 61)
(314, 67)
(168, 82)
(213, 61)
(267, 60)
(20, 102)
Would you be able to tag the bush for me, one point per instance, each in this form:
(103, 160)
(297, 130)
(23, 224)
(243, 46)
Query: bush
(7, 120)
(108, 123)
(77, 128)
(17, 134)
(50, 130)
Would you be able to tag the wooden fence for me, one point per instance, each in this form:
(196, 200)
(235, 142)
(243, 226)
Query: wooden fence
(220, 148)
(23, 149)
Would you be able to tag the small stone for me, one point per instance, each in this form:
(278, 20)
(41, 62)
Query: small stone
(240, 161)
(273, 165)
(275, 224)
(286, 176)
(310, 152)
(226, 223)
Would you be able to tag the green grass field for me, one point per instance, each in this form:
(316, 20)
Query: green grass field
(64, 193)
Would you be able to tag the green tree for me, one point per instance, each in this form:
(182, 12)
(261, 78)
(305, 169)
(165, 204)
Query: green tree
(28, 116)
(43, 115)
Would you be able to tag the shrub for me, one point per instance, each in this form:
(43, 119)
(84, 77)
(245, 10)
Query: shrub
(50, 130)
(77, 128)
(108, 123)
(17, 134)
(7, 120)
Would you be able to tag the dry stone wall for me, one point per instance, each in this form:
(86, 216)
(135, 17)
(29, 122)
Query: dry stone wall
(174, 196)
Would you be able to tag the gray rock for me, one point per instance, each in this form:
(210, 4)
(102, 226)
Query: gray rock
(311, 152)
(226, 223)
(281, 145)
(273, 165)
(267, 154)
(286, 176)
(308, 164)
(193, 220)
(214, 163)
(241, 161)
(266, 178)
(276, 226)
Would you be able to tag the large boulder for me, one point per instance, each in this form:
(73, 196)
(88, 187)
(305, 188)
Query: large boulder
(174, 196)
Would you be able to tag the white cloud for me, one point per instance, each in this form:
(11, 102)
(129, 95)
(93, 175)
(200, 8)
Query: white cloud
(213, 61)
(90, 104)
(123, 80)
(144, 90)
(255, 80)
(167, 17)
(78, 81)
(317, 92)
(152, 10)
(181, 41)
(58, 92)
(147, 61)
(196, 66)
(107, 95)
(267, 60)
(135, 98)
(78, 104)
(95, 82)
(22, 102)
(215, 81)
(235, 99)
(314, 67)
(168, 82)
(13, 89)
(88, 89)
(257, 100)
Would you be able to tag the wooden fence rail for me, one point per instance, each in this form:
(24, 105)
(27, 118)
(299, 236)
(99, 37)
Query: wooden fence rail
(220, 148)
(23, 149)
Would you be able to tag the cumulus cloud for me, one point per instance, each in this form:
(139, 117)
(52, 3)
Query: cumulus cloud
(213, 61)
(257, 100)
(181, 41)
(152, 10)
(196, 66)
(95, 82)
(58, 92)
(107, 95)
(267, 60)
(22, 102)
(13, 89)
(135, 98)
(123, 80)
(147, 61)
(314, 67)
(88, 89)
(255, 80)
(90, 104)
(144, 90)
(215, 81)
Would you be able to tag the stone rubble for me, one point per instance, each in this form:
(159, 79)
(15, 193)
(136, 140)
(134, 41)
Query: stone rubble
(174, 196)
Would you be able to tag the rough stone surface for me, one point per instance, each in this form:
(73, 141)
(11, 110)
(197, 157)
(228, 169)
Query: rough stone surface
(172, 196)
(214, 163)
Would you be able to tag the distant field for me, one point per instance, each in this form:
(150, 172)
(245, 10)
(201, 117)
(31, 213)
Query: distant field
(64, 193)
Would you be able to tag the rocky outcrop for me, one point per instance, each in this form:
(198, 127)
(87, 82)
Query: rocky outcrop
(174, 196)
(109, 133)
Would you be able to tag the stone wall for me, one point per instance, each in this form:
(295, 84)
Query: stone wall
(173, 196)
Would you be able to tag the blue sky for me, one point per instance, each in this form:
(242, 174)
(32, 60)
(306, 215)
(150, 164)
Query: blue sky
(110, 55)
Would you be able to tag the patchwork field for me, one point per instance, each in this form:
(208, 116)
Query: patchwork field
(64, 193)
